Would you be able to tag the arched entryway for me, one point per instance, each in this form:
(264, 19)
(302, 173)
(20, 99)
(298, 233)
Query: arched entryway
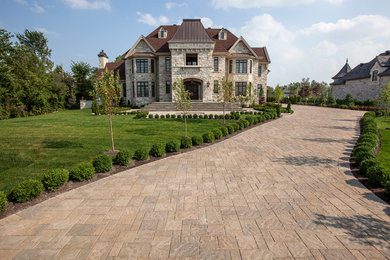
(193, 86)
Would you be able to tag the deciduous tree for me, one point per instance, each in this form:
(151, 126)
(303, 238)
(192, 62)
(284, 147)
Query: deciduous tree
(384, 98)
(182, 100)
(225, 94)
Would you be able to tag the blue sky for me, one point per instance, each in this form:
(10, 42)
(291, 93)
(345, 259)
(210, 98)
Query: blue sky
(304, 38)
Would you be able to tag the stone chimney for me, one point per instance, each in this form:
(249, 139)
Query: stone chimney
(103, 59)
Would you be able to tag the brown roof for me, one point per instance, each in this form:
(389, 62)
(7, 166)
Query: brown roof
(191, 30)
(262, 54)
(117, 67)
(161, 45)
(221, 45)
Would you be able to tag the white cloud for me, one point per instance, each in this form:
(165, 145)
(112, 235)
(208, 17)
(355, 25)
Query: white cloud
(246, 4)
(150, 20)
(21, 2)
(37, 8)
(170, 5)
(208, 22)
(91, 5)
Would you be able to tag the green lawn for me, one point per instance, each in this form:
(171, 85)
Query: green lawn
(384, 154)
(31, 145)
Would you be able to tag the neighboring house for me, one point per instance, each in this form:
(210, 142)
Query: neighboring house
(202, 57)
(365, 81)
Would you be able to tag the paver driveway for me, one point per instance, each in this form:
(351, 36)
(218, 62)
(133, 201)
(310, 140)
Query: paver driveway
(282, 189)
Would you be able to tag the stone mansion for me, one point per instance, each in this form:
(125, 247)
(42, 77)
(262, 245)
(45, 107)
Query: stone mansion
(201, 57)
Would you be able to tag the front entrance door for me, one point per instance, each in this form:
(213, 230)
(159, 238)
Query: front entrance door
(193, 87)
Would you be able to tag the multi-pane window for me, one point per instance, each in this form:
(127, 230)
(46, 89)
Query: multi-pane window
(162, 34)
(133, 90)
(191, 59)
(168, 87)
(230, 66)
(241, 66)
(167, 64)
(142, 65)
(216, 64)
(124, 90)
(153, 89)
(216, 86)
(142, 89)
(152, 66)
(240, 88)
(259, 71)
(374, 75)
(250, 66)
(259, 90)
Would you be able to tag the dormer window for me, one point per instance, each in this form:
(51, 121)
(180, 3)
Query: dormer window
(222, 35)
(162, 34)
(374, 75)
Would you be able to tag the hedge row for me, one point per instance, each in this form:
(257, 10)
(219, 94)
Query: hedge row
(231, 115)
(364, 154)
(55, 178)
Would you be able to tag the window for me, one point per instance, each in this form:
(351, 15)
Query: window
(216, 64)
(167, 64)
(374, 75)
(240, 88)
(132, 66)
(168, 87)
(222, 35)
(152, 66)
(216, 86)
(142, 89)
(259, 71)
(230, 66)
(191, 59)
(162, 34)
(142, 65)
(133, 90)
(241, 66)
(124, 94)
(259, 90)
(153, 89)
(250, 66)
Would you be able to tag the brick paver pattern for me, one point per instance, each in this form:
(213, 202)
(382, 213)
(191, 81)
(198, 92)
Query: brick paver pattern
(281, 189)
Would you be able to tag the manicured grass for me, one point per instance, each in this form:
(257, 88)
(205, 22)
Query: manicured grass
(384, 154)
(29, 146)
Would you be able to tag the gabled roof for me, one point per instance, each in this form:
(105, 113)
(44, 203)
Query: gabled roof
(262, 54)
(246, 45)
(117, 67)
(161, 44)
(385, 73)
(221, 45)
(132, 50)
(361, 71)
(344, 70)
(191, 30)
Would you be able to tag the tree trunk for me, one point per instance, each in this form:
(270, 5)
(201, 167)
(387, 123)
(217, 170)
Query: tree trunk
(112, 136)
(223, 105)
(185, 124)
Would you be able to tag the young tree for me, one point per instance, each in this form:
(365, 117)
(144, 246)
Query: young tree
(225, 94)
(182, 100)
(108, 90)
(384, 98)
(278, 93)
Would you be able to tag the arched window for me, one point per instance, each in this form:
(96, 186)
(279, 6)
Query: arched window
(374, 75)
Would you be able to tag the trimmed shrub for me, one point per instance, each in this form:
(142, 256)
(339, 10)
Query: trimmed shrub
(236, 126)
(249, 119)
(26, 190)
(185, 142)
(102, 163)
(173, 116)
(227, 116)
(195, 116)
(82, 171)
(230, 129)
(150, 116)
(172, 146)
(211, 116)
(55, 178)
(197, 140)
(156, 116)
(387, 187)
(179, 116)
(157, 150)
(208, 137)
(366, 164)
(168, 116)
(141, 114)
(361, 148)
(162, 116)
(217, 133)
(189, 116)
(201, 116)
(123, 158)
(224, 130)
(3, 201)
(141, 154)
(362, 155)
(376, 174)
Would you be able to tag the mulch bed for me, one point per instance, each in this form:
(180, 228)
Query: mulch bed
(13, 208)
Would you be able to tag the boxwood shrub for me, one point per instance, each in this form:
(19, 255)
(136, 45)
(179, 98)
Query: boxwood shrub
(26, 190)
(208, 137)
(168, 116)
(376, 174)
(150, 116)
(55, 178)
(123, 158)
(156, 116)
(3, 201)
(197, 140)
(179, 116)
(246, 123)
(236, 126)
(195, 116)
(173, 116)
(230, 129)
(102, 163)
(162, 116)
(249, 119)
(141, 154)
(82, 171)
(189, 116)
(211, 116)
(387, 187)
(172, 146)
(240, 124)
(224, 130)
(367, 163)
(217, 133)
(157, 150)
(185, 142)
(362, 155)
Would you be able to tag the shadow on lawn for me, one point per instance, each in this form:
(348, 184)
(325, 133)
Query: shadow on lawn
(307, 161)
(363, 229)
(58, 144)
